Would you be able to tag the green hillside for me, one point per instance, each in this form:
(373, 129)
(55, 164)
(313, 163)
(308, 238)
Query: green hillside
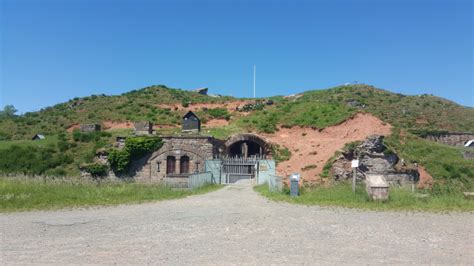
(63, 152)
(322, 108)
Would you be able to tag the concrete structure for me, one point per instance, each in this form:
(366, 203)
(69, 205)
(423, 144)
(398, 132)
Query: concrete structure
(38, 137)
(143, 128)
(469, 143)
(202, 91)
(377, 187)
(453, 139)
(88, 128)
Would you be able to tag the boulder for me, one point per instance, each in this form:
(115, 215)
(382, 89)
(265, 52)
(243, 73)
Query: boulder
(374, 158)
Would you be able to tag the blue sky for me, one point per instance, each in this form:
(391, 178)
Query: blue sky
(52, 51)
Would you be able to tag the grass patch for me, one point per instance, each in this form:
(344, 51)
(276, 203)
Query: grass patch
(445, 163)
(401, 199)
(38, 194)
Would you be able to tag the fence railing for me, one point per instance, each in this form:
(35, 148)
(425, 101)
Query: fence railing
(200, 179)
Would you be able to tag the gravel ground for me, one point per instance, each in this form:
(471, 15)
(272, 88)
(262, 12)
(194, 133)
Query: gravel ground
(234, 225)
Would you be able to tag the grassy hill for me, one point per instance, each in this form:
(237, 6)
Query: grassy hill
(62, 153)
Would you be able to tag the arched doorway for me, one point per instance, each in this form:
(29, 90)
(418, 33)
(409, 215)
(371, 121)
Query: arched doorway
(170, 165)
(245, 146)
(184, 165)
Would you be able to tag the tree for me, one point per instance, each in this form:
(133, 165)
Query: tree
(8, 111)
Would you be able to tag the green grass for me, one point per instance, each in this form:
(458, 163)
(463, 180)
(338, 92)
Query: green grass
(401, 199)
(445, 163)
(36, 194)
(223, 132)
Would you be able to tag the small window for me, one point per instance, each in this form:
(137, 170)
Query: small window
(170, 165)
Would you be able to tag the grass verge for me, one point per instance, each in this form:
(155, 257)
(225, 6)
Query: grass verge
(39, 194)
(401, 199)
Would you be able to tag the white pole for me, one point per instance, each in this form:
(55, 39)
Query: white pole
(254, 77)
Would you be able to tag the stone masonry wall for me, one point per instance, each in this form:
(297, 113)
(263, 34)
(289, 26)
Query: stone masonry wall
(153, 167)
(453, 139)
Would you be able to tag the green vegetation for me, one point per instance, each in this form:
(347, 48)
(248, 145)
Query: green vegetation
(451, 172)
(323, 108)
(58, 155)
(223, 132)
(147, 104)
(96, 170)
(27, 194)
(135, 148)
(61, 153)
(400, 199)
(219, 113)
(280, 154)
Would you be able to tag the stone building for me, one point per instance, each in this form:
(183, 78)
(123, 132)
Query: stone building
(179, 157)
(88, 128)
(143, 128)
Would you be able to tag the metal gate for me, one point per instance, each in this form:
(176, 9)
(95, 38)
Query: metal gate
(235, 169)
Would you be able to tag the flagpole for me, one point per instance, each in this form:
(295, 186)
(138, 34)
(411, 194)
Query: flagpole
(254, 78)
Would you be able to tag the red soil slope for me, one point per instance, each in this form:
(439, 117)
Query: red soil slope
(312, 148)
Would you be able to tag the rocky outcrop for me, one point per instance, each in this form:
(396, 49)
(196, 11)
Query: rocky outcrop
(374, 158)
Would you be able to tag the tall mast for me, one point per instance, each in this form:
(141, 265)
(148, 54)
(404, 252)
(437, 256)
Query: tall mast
(254, 78)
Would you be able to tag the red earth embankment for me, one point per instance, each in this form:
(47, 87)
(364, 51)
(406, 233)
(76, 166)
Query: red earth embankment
(311, 148)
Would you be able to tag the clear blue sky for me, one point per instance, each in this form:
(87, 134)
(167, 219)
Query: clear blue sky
(52, 51)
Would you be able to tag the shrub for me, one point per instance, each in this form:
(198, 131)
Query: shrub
(30, 160)
(96, 170)
(219, 113)
(280, 154)
(135, 148)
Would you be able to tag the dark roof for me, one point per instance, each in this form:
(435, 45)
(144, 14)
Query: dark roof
(38, 136)
(190, 114)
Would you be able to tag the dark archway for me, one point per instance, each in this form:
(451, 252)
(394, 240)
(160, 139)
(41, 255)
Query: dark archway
(246, 145)
(245, 149)
(184, 165)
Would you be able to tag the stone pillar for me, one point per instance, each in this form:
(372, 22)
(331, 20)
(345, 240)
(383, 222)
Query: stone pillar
(245, 150)
(177, 167)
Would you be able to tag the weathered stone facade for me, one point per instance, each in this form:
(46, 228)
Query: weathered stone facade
(185, 154)
(453, 139)
(87, 128)
(143, 128)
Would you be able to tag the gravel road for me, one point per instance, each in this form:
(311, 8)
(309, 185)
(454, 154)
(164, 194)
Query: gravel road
(234, 225)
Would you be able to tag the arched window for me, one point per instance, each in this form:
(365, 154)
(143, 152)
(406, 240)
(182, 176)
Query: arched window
(184, 165)
(170, 165)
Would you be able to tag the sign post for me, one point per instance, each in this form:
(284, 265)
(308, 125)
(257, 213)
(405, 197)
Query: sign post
(354, 165)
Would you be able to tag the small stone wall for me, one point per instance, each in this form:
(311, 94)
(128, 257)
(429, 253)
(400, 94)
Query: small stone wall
(453, 139)
(142, 128)
(90, 128)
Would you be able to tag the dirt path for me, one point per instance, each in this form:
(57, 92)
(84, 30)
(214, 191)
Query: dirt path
(311, 149)
(234, 226)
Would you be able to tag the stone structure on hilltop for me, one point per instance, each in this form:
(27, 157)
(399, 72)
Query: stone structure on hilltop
(374, 158)
(453, 139)
(88, 128)
(143, 128)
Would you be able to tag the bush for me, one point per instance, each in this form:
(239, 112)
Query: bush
(30, 160)
(219, 113)
(280, 154)
(79, 136)
(135, 148)
(96, 170)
